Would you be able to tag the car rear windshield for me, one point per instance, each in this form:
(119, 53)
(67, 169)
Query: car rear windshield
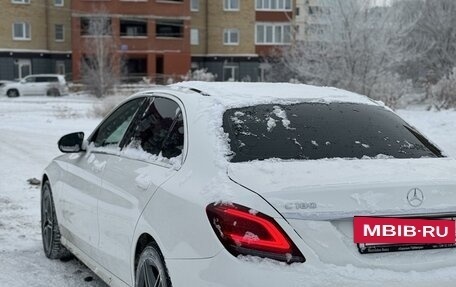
(310, 131)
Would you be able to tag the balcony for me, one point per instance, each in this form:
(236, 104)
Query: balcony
(133, 28)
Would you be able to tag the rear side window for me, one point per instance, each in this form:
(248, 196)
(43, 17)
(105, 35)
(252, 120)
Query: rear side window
(46, 79)
(112, 130)
(160, 130)
(317, 131)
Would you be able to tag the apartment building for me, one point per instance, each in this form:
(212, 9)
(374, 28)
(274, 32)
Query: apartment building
(311, 20)
(35, 37)
(230, 37)
(151, 37)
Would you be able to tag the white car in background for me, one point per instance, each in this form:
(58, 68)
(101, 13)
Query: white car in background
(246, 184)
(36, 85)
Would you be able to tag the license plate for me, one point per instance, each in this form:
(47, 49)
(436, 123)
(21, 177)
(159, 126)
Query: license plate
(388, 234)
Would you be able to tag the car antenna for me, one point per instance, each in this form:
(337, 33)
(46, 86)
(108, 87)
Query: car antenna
(199, 92)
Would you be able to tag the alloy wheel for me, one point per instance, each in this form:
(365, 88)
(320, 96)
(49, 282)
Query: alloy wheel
(150, 275)
(47, 214)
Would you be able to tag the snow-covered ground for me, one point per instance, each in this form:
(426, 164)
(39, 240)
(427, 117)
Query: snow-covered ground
(29, 130)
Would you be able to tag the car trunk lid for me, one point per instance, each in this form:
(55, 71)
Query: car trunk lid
(337, 189)
(320, 198)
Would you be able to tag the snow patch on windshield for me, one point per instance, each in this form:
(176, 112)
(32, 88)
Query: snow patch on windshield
(364, 145)
(236, 120)
(279, 112)
(271, 124)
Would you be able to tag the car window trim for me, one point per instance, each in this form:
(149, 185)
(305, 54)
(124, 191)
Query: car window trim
(175, 99)
(144, 106)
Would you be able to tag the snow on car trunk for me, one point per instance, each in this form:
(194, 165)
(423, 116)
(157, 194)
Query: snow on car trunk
(319, 198)
(343, 188)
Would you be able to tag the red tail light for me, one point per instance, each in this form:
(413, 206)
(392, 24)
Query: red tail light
(243, 232)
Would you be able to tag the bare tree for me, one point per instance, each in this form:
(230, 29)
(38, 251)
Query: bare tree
(352, 46)
(444, 92)
(428, 39)
(101, 65)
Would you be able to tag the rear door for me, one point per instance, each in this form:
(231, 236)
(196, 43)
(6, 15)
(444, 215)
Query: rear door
(83, 177)
(131, 179)
(41, 85)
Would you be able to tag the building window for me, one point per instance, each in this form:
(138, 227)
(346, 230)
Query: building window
(21, 31)
(170, 28)
(24, 68)
(59, 3)
(96, 26)
(135, 68)
(194, 36)
(133, 27)
(60, 67)
(194, 5)
(20, 1)
(59, 33)
(231, 72)
(231, 37)
(273, 34)
(231, 5)
(273, 5)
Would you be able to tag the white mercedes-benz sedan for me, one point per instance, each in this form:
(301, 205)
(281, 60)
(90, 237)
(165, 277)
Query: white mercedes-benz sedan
(248, 184)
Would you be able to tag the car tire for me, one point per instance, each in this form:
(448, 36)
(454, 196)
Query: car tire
(13, 93)
(151, 267)
(50, 232)
(53, 92)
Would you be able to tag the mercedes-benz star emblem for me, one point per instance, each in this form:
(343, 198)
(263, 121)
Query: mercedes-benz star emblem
(415, 197)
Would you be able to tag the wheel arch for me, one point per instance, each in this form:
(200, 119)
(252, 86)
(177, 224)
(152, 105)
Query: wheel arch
(13, 89)
(144, 240)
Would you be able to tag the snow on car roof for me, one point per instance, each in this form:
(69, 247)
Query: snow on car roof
(236, 94)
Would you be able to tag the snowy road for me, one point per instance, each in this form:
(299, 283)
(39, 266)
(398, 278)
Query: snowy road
(29, 130)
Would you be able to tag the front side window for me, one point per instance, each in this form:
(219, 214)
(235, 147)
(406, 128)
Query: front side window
(112, 130)
(310, 131)
(160, 130)
(21, 31)
(231, 5)
(30, 80)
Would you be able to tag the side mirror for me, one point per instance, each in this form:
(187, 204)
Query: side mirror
(22, 81)
(72, 143)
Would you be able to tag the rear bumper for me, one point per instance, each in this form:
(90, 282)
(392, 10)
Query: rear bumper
(226, 270)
